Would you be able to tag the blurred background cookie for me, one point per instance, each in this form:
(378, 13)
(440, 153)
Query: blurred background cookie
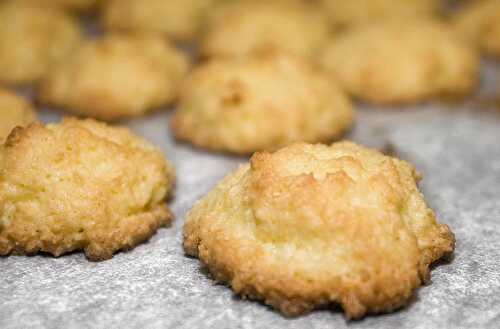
(344, 13)
(312, 225)
(260, 102)
(80, 185)
(178, 19)
(33, 38)
(479, 22)
(402, 61)
(242, 27)
(116, 76)
(14, 112)
(76, 6)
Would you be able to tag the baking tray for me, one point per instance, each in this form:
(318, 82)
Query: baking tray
(455, 146)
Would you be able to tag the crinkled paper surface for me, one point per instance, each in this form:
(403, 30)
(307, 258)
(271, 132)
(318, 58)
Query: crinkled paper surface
(455, 147)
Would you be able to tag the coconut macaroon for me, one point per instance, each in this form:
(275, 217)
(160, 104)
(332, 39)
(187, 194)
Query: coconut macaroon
(80, 185)
(479, 22)
(178, 19)
(242, 27)
(347, 13)
(33, 38)
(312, 225)
(402, 61)
(80, 6)
(245, 104)
(116, 76)
(14, 112)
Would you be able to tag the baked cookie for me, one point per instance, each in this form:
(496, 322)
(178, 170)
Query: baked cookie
(80, 185)
(33, 38)
(245, 104)
(312, 225)
(243, 27)
(14, 111)
(347, 13)
(479, 22)
(80, 6)
(116, 76)
(178, 19)
(402, 61)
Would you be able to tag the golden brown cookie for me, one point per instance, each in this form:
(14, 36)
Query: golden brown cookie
(33, 38)
(402, 61)
(312, 225)
(116, 76)
(344, 13)
(179, 19)
(245, 104)
(80, 6)
(14, 112)
(479, 22)
(80, 185)
(242, 27)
